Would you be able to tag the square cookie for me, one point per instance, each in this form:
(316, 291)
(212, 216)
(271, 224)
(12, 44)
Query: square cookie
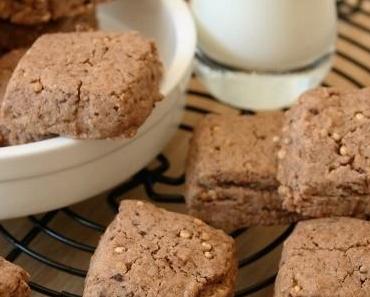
(148, 251)
(231, 171)
(324, 165)
(91, 85)
(326, 258)
(8, 137)
(13, 280)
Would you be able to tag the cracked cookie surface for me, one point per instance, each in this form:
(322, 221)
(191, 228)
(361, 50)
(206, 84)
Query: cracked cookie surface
(92, 85)
(231, 171)
(13, 280)
(324, 164)
(148, 251)
(326, 258)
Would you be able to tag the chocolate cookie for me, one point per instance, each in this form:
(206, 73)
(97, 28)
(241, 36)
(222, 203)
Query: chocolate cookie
(231, 171)
(326, 258)
(93, 85)
(13, 280)
(34, 12)
(324, 165)
(16, 36)
(148, 251)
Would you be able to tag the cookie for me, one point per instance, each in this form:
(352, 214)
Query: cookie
(35, 12)
(231, 172)
(148, 251)
(8, 62)
(8, 137)
(326, 258)
(91, 85)
(14, 36)
(13, 280)
(324, 165)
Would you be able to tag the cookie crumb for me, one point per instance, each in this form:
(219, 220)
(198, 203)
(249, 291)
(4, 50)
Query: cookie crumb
(343, 150)
(208, 255)
(198, 221)
(275, 139)
(359, 116)
(140, 203)
(363, 269)
(281, 154)
(336, 136)
(206, 246)
(287, 140)
(124, 268)
(37, 87)
(204, 236)
(297, 288)
(185, 234)
(282, 190)
(215, 128)
(119, 250)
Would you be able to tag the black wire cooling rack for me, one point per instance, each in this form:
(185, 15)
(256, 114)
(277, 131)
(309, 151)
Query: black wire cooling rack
(150, 179)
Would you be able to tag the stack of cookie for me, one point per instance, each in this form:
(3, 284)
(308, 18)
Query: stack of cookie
(23, 21)
(316, 156)
(311, 163)
(231, 176)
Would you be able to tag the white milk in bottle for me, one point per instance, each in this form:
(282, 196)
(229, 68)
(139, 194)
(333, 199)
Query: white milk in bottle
(261, 54)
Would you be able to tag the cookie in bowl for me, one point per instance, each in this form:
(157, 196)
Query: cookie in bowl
(91, 85)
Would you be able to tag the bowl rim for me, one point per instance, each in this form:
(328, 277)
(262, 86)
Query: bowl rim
(185, 34)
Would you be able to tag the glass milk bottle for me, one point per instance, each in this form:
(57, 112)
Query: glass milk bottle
(262, 54)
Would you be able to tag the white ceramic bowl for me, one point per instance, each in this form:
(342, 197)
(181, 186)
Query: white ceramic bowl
(58, 172)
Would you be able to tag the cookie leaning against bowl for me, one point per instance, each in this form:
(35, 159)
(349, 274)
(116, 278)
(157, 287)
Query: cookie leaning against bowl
(148, 251)
(93, 85)
(13, 280)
